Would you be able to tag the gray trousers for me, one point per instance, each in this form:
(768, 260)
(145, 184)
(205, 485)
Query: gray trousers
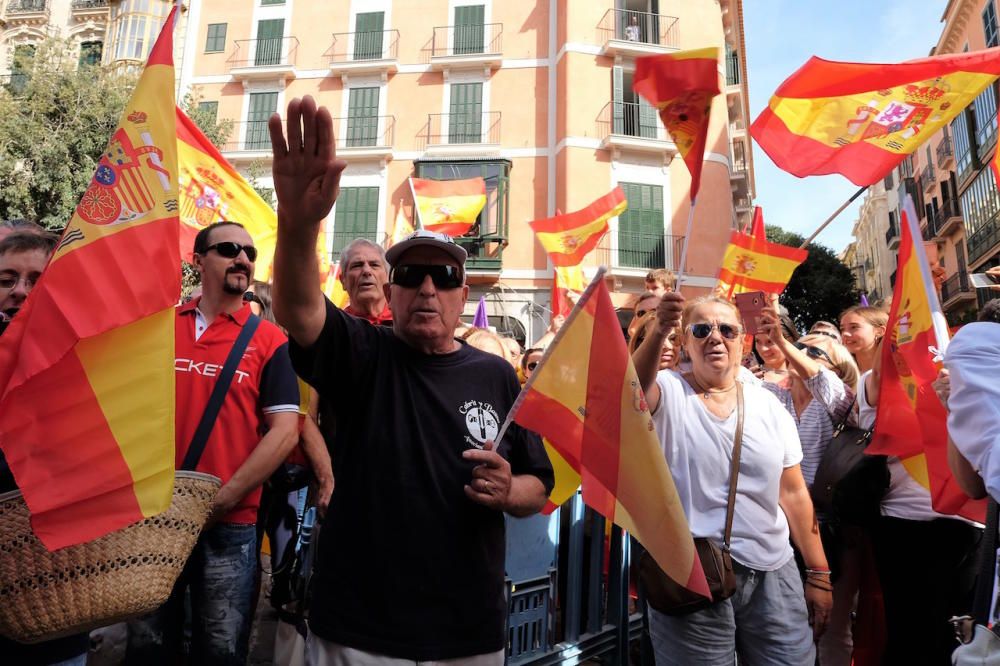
(765, 623)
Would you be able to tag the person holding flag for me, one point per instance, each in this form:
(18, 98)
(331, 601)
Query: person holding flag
(705, 418)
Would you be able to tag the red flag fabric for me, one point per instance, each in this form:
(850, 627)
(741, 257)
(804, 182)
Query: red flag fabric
(757, 227)
(568, 238)
(912, 423)
(752, 263)
(681, 85)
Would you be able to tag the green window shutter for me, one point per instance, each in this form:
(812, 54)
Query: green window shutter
(640, 228)
(356, 216)
(469, 29)
(216, 40)
(465, 122)
(262, 105)
(618, 99)
(272, 2)
(269, 38)
(368, 35)
(90, 53)
(647, 119)
(209, 110)
(362, 117)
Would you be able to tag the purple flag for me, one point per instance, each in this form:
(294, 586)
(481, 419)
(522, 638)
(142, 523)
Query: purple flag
(864, 300)
(481, 320)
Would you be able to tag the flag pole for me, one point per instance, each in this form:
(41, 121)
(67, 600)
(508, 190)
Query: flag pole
(834, 216)
(587, 293)
(416, 208)
(937, 316)
(684, 245)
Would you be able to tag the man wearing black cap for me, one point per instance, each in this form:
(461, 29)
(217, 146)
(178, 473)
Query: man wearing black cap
(411, 558)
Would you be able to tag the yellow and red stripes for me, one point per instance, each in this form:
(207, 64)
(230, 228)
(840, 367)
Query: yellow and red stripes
(449, 206)
(753, 263)
(568, 238)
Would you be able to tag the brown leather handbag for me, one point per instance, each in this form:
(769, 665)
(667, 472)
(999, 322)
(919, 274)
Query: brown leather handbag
(671, 597)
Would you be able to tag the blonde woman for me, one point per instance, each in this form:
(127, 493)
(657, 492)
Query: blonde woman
(670, 353)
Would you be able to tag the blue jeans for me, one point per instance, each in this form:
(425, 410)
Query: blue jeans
(765, 622)
(220, 574)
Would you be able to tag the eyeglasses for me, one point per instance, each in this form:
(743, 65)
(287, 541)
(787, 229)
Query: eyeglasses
(702, 331)
(231, 250)
(814, 353)
(412, 276)
(826, 333)
(10, 281)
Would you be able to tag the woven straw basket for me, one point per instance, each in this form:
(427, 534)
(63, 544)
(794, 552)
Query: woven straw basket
(45, 595)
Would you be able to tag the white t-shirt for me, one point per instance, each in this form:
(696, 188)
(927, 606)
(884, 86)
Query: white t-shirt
(906, 498)
(698, 447)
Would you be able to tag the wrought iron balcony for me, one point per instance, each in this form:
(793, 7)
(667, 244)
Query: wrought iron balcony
(632, 126)
(249, 139)
(892, 235)
(467, 46)
(739, 166)
(444, 129)
(27, 6)
(927, 180)
(633, 249)
(272, 57)
(945, 154)
(955, 288)
(83, 5)
(733, 76)
(948, 218)
(631, 33)
(357, 52)
(984, 239)
(365, 136)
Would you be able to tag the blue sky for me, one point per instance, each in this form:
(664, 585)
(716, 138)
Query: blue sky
(780, 36)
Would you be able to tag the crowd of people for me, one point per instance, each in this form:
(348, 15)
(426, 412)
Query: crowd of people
(389, 410)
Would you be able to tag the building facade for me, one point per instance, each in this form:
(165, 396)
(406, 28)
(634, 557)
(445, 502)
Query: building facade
(873, 256)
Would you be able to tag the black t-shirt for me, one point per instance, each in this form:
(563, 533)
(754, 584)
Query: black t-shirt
(408, 566)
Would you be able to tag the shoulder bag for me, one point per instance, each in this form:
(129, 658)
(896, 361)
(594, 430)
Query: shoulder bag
(671, 597)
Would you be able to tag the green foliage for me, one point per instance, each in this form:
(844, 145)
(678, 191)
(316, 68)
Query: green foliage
(822, 286)
(190, 278)
(254, 171)
(217, 131)
(54, 125)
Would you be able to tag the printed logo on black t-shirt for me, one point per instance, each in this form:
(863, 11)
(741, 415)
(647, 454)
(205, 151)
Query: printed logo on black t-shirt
(481, 420)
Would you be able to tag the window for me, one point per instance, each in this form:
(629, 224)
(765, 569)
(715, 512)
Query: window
(980, 206)
(631, 114)
(484, 242)
(90, 53)
(262, 105)
(469, 29)
(355, 216)
(368, 35)
(962, 144)
(930, 164)
(362, 117)
(209, 110)
(641, 241)
(272, 2)
(269, 38)
(465, 123)
(216, 40)
(19, 75)
(984, 108)
(990, 24)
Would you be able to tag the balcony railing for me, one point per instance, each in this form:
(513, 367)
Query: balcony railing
(360, 46)
(956, 285)
(27, 6)
(633, 249)
(927, 177)
(463, 128)
(342, 239)
(732, 67)
(90, 4)
(739, 162)
(467, 40)
(892, 233)
(268, 52)
(984, 238)
(365, 131)
(945, 153)
(635, 119)
(248, 136)
(640, 27)
(948, 217)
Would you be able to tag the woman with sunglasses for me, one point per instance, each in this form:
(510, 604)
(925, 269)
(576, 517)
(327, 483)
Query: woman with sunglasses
(819, 395)
(696, 414)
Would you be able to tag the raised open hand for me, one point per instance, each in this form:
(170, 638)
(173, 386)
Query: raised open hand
(305, 167)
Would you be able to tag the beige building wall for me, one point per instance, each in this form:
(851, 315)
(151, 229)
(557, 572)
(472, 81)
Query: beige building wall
(874, 255)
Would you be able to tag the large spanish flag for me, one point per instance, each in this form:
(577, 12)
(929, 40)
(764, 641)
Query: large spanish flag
(212, 191)
(912, 424)
(862, 119)
(585, 399)
(681, 85)
(568, 238)
(752, 263)
(86, 379)
(448, 206)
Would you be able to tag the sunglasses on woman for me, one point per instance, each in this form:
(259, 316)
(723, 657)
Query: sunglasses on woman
(702, 331)
(231, 250)
(814, 353)
(412, 276)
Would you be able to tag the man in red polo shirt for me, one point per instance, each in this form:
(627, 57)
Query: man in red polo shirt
(254, 432)
(364, 274)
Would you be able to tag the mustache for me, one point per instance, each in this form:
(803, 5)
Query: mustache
(241, 270)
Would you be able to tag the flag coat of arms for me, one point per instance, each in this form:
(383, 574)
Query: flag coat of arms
(569, 238)
(448, 206)
(585, 399)
(912, 422)
(86, 386)
(860, 119)
(752, 263)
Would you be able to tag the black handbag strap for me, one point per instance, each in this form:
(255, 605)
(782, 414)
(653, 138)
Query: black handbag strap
(219, 391)
(734, 472)
(987, 565)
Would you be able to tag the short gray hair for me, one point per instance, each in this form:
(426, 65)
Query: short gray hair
(345, 254)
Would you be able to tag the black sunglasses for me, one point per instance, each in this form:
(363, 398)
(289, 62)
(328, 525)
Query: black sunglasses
(231, 250)
(814, 353)
(702, 331)
(826, 333)
(412, 276)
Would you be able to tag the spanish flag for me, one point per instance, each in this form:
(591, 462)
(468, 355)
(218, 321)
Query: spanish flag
(681, 85)
(400, 229)
(86, 379)
(912, 424)
(585, 399)
(568, 238)
(213, 191)
(448, 206)
(752, 263)
(861, 120)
